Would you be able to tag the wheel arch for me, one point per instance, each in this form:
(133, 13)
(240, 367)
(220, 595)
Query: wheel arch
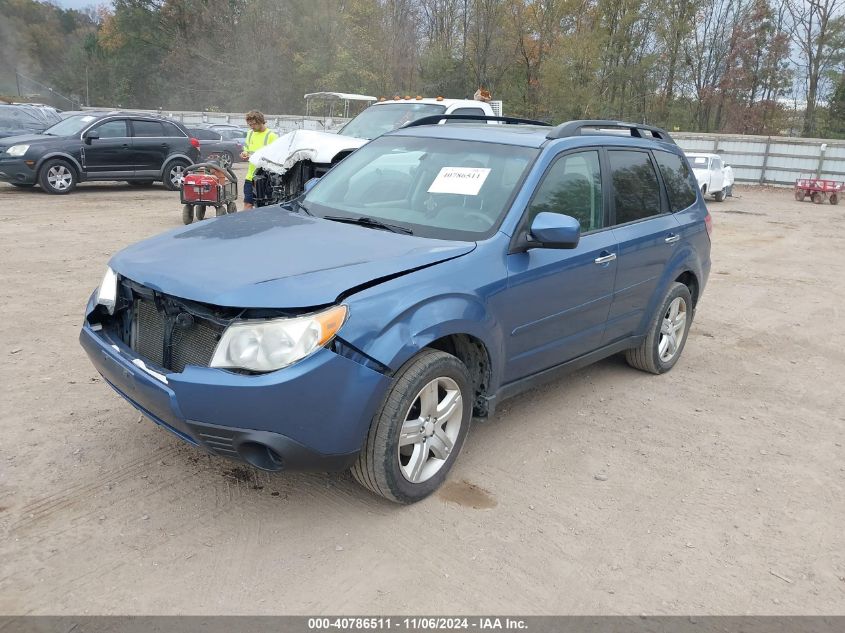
(170, 159)
(473, 353)
(64, 156)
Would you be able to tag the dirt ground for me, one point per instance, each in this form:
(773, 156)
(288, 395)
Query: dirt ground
(717, 488)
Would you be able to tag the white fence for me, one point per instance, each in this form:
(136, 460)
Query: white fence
(777, 160)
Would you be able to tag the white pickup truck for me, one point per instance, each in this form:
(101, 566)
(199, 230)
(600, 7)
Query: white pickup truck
(284, 166)
(713, 175)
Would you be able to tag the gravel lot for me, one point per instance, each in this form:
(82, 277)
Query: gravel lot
(717, 488)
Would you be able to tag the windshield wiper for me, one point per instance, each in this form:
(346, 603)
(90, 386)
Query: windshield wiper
(370, 222)
(297, 206)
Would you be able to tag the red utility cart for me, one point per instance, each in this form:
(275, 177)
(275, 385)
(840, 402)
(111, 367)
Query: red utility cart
(818, 190)
(208, 185)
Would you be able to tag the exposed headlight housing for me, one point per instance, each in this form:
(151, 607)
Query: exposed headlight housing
(17, 150)
(107, 292)
(272, 344)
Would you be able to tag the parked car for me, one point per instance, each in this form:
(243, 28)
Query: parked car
(230, 132)
(283, 167)
(16, 120)
(433, 273)
(714, 177)
(136, 148)
(214, 146)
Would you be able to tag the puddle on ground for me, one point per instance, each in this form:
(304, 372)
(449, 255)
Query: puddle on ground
(466, 494)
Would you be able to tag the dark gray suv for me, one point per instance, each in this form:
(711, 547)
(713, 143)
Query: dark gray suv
(139, 149)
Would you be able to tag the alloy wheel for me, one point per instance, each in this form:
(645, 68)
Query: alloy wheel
(672, 329)
(59, 177)
(430, 429)
(177, 173)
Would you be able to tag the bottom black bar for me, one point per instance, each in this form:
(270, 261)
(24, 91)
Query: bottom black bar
(529, 624)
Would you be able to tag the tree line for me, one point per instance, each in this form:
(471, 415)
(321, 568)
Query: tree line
(742, 66)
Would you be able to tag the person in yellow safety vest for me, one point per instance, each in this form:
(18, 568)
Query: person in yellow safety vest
(258, 137)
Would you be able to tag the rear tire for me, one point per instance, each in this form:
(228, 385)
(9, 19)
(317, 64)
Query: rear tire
(667, 333)
(219, 211)
(187, 214)
(817, 197)
(231, 208)
(834, 198)
(57, 177)
(226, 159)
(418, 432)
(719, 196)
(800, 195)
(173, 173)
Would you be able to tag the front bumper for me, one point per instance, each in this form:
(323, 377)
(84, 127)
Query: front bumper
(313, 415)
(13, 169)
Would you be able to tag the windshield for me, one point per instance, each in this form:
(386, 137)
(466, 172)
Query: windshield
(441, 188)
(378, 119)
(71, 125)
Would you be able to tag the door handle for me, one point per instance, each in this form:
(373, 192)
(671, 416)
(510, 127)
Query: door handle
(672, 238)
(605, 258)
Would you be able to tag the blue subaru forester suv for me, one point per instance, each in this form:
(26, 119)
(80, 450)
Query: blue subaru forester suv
(431, 274)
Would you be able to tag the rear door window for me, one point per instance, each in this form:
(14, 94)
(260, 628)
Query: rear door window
(636, 194)
(147, 129)
(679, 180)
(112, 129)
(572, 186)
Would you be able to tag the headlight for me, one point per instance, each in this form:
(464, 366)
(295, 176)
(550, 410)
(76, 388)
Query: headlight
(273, 344)
(17, 150)
(107, 292)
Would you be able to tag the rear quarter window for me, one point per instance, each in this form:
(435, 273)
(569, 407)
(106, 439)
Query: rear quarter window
(678, 178)
(172, 130)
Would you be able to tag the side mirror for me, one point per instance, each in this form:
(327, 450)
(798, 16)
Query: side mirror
(553, 230)
(309, 184)
(91, 135)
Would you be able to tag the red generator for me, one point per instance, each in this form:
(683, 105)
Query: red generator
(208, 185)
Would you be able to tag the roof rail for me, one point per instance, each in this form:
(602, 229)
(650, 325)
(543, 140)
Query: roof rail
(436, 118)
(573, 128)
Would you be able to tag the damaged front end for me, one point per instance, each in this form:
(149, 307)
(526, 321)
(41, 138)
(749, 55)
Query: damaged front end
(284, 166)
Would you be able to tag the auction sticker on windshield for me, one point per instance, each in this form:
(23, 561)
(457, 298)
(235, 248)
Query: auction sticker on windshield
(466, 181)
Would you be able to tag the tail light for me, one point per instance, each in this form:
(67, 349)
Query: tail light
(708, 224)
(195, 142)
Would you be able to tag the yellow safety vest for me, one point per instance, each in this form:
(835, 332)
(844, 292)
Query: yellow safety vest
(254, 142)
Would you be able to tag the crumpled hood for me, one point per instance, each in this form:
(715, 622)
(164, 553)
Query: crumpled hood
(272, 258)
(290, 148)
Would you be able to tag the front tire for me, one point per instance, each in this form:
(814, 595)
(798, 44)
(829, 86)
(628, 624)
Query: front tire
(173, 173)
(226, 159)
(418, 432)
(667, 333)
(719, 196)
(187, 214)
(57, 177)
(199, 210)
